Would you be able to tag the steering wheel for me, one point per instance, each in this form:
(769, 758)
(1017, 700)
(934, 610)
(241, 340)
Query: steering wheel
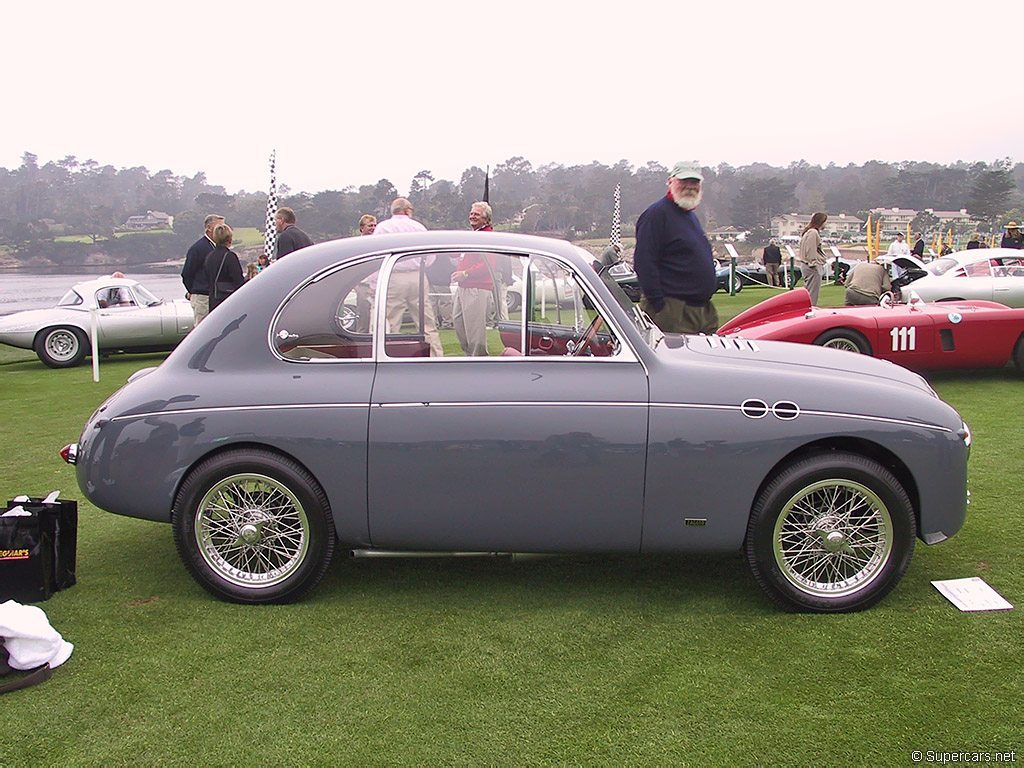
(588, 336)
(886, 300)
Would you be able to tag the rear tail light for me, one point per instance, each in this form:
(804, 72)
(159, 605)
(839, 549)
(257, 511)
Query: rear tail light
(70, 453)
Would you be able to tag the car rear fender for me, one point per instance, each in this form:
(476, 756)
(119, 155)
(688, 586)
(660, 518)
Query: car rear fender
(239, 446)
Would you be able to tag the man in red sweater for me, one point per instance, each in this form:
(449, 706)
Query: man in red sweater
(473, 274)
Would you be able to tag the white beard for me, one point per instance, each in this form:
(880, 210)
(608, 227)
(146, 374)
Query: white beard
(688, 200)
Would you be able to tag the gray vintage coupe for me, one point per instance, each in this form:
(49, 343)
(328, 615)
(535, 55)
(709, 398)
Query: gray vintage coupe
(275, 434)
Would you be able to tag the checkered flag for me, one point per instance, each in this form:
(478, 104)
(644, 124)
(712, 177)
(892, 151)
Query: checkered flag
(270, 234)
(616, 238)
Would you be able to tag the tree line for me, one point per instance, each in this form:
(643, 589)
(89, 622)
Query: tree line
(40, 203)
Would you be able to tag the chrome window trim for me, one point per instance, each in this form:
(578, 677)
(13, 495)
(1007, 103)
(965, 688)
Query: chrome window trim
(627, 354)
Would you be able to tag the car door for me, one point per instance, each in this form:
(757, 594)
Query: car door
(904, 336)
(1008, 282)
(122, 320)
(543, 451)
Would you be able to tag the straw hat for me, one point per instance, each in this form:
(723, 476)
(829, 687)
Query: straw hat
(1011, 225)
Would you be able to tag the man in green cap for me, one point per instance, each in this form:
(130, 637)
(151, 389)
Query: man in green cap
(673, 260)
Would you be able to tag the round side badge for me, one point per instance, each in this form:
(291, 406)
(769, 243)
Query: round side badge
(955, 317)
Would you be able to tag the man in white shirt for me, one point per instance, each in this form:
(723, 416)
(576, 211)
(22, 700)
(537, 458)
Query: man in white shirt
(899, 246)
(407, 285)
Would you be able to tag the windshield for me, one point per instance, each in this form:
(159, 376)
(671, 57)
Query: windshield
(941, 266)
(145, 297)
(70, 299)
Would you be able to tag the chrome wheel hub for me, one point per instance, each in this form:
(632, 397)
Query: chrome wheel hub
(832, 538)
(61, 344)
(252, 530)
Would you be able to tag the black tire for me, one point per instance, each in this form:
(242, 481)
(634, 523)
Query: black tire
(832, 533)
(845, 339)
(268, 539)
(1018, 354)
(62, 346)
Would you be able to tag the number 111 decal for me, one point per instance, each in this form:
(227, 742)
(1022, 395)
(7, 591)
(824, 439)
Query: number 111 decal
(904, 339)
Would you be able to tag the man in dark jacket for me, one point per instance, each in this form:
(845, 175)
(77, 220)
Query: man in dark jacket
(289, 237)
(772, 259)
(193, 273)
(673, 259)
(918, 249)
(1012, 238)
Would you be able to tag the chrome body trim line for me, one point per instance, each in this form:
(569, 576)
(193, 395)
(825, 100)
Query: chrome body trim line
(882, 419)
(238, 408)
(516, 403)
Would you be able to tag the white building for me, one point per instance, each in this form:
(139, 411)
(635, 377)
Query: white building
(839, 226)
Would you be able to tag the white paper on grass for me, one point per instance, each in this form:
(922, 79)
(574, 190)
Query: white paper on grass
(972, 594)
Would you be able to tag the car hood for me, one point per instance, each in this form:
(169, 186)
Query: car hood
(780, 355)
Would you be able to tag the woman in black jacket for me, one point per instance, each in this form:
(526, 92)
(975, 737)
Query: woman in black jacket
(223, 269)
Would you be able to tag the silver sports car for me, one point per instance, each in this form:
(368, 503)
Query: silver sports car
(989, 274)
(128, 319)
(275, 434)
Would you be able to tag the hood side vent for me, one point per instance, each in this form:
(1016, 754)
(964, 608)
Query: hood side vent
(753, 408)
(786, 410)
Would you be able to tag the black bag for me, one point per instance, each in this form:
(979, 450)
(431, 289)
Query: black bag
(37, 675)
(38, 551)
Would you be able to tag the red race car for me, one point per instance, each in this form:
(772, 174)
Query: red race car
(954, 334)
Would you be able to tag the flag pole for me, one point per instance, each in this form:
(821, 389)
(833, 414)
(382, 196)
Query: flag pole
(616, 235)
(270, 233)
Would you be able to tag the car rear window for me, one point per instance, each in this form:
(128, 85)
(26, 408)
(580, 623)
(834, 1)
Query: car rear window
(330, 318)
(70, 299)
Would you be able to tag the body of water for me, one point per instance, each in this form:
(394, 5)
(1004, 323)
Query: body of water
(22, 289)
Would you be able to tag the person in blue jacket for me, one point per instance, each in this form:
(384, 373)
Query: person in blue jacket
(673, 259)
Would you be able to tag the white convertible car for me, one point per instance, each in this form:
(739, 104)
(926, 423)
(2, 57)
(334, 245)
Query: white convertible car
(128, 319)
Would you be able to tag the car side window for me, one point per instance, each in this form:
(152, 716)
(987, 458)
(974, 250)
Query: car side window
(330, 318)
(115, 296)
(453, 304)
(561, 320)
(978, 269)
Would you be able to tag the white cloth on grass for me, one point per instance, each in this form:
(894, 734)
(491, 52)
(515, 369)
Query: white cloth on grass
(29, 639)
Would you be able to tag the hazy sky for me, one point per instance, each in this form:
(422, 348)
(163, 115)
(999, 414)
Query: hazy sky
(349, 94)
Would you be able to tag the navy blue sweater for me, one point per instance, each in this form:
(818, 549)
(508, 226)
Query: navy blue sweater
(673, 255)
(193, 273)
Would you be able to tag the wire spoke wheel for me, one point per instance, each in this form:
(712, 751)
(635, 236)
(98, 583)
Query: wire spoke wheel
(252, 530)
(832, 532)
(846, 345)
(833, 538)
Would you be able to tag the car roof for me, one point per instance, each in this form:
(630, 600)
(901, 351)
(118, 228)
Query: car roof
(983, 254)
(91, 286)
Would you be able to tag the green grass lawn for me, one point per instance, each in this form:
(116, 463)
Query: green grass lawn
(496, 661)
